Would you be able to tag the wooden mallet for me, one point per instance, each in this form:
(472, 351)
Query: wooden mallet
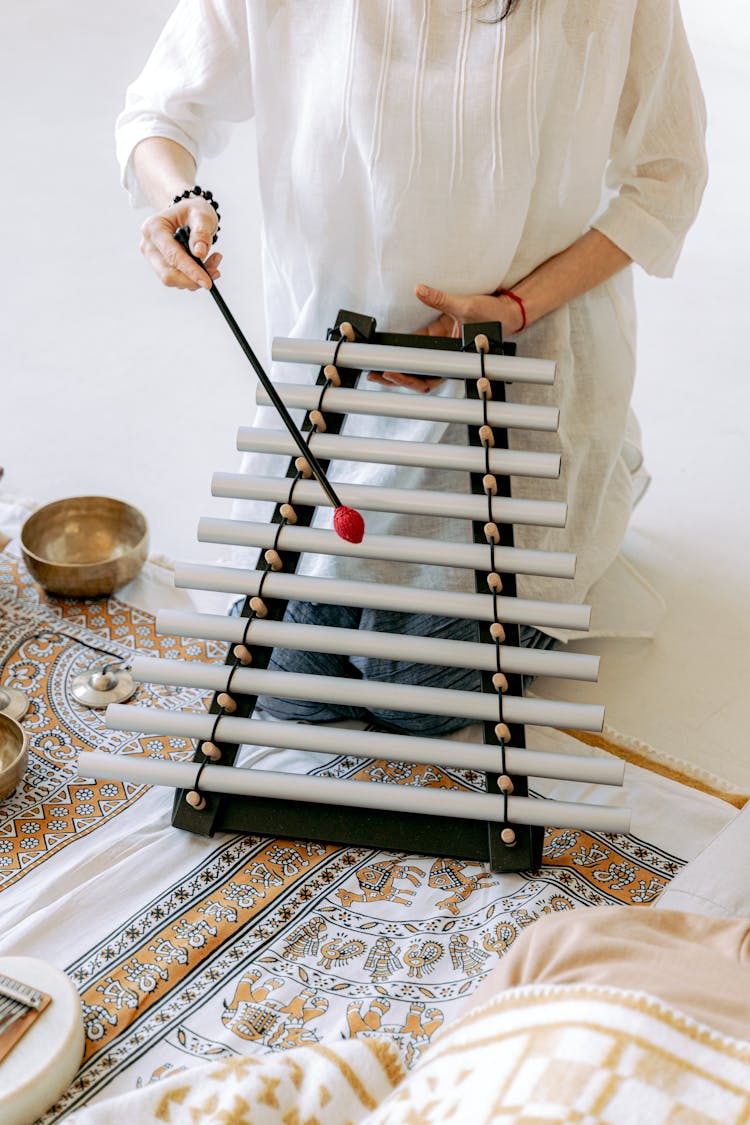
(347, 522)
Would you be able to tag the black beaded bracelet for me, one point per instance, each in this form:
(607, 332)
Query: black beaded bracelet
(207, 195)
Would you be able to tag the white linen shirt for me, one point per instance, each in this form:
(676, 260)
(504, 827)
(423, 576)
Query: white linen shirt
(406, 141)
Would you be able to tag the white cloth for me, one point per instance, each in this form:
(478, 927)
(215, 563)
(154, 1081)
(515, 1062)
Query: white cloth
(406, 141)
(717, 881)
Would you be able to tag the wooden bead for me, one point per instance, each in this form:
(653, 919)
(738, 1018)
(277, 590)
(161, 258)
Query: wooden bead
(481, 343)
(318, 421)
(486, 436)
(273, 558)
(332, 375)
(502, 732)
(259, 607)
(347, 331)
(504, 784)
(226, 703)
(497, 632)
(212, 751)
(195, 800)
(495, 582)
(303, 466)
(489, 484)
(492, 533)
(499, 682)
(243, 654)
(484, 387)
(287, 512)
(508, 837)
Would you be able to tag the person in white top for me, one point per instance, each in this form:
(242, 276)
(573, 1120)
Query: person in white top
(415, 158)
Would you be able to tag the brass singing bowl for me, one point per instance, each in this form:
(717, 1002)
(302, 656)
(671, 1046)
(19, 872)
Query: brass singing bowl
(14, 755)
(86, 546)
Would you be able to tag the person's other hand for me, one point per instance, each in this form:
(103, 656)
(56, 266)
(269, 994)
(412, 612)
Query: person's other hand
(167, 258)
(454, 311)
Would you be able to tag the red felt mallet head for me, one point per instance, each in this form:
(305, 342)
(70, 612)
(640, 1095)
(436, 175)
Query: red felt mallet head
(348, 524)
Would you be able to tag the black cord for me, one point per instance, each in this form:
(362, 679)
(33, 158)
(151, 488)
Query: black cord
(498, 665)
(495, 615)
(84, 644)
(219, 717)
(248, 623)
(197, 782)
(493, 569)
(319, 407)
(341, 340)
(279, 527)
(235, 666)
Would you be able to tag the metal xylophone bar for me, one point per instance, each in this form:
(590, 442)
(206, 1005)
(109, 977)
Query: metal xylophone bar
(363, 744)
(373, 595)
(383, 451)
(395, 548)
(369, 498)
(370, 694)
(381, 645)
(388, 404)
(357, 794)
(425, 356)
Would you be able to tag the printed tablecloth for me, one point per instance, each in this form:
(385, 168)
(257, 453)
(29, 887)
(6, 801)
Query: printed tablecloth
(186, 949)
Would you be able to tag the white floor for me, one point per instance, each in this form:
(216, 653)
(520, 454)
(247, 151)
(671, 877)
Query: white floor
(113, 385)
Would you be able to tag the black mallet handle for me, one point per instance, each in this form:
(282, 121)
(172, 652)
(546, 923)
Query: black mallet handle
(183, 236)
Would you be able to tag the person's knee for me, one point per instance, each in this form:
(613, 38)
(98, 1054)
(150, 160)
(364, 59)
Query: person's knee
(418, 724)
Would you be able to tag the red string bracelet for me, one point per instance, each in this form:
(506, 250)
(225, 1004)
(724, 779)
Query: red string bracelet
(514, 297)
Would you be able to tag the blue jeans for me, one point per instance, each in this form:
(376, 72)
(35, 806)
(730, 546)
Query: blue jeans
(384, 671)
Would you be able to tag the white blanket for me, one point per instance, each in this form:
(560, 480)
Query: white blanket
(558, 1054)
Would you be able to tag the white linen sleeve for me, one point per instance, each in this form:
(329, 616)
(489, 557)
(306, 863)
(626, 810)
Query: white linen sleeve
(657, 166)
(196, 82)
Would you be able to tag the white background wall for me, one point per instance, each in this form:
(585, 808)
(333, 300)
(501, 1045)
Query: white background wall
(109, 383)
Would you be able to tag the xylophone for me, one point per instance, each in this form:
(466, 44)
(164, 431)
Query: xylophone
(502, 825)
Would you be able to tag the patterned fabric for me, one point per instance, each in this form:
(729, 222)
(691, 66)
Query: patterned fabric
(559, 1054)
(44, 642)
(188, 950)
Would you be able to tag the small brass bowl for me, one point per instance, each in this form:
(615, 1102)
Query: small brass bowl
(14, 755)
(86, 546)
